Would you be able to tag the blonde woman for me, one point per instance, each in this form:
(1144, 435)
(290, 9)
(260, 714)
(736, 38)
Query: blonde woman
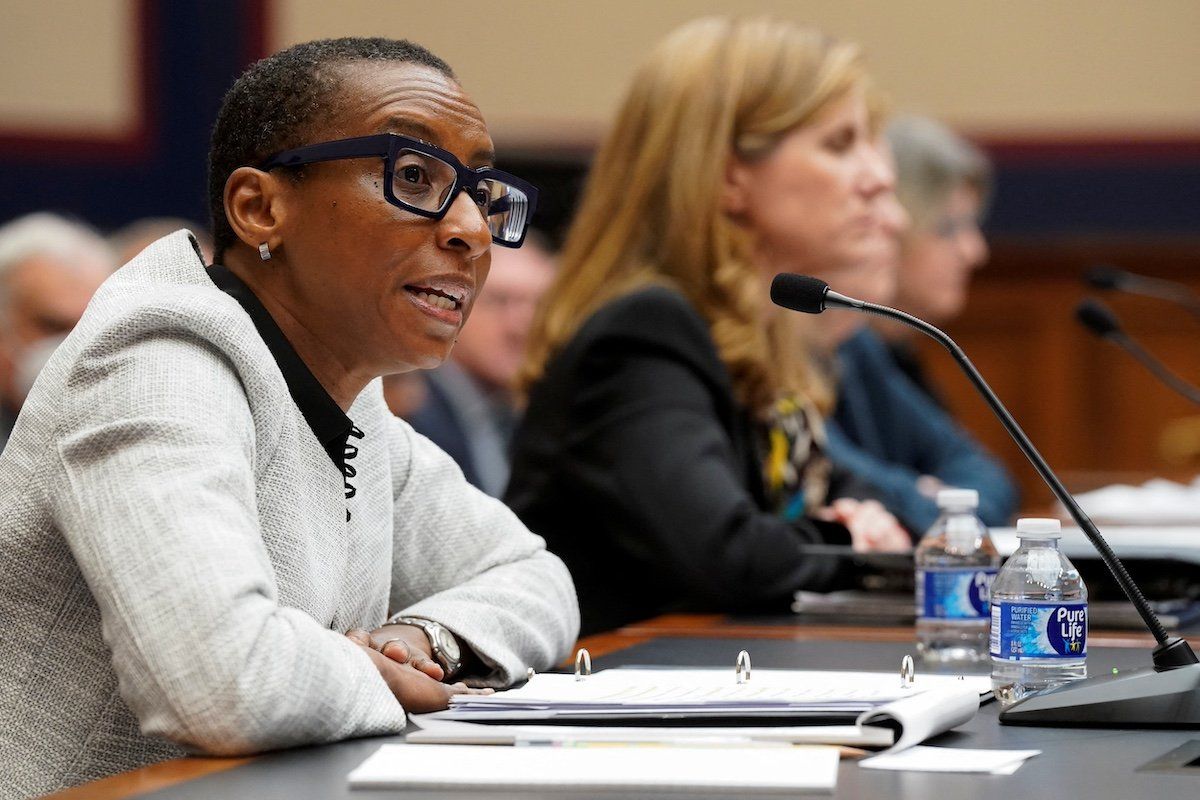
(669, 419)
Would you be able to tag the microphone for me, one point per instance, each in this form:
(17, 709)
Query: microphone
(1167, 695)
(1109, 278)
(1102, 276)
(807, 295)
(1100, 320)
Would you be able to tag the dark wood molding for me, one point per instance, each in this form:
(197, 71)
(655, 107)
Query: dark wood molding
(722, 627)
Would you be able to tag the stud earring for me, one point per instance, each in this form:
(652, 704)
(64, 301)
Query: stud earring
(264, 252)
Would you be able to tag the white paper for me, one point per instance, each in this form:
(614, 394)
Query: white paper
(736, 769)
(923, 758)
(1009, 769)
(1173, 543)
(925, 715)
(443, 731)
(1156, 502)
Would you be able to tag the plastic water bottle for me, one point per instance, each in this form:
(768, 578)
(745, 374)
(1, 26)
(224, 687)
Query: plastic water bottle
(1039, 616)
(956, 563)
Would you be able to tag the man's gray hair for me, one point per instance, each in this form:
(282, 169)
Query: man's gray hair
(46, 234)
(931, 162)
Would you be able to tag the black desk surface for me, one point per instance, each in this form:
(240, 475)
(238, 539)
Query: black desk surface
(1074, 763)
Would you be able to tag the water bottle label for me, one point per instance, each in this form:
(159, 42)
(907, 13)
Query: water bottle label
(954, 593)
(1031, 629)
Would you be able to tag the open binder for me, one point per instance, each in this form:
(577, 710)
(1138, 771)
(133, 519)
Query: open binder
(592, 729)
(629, 704)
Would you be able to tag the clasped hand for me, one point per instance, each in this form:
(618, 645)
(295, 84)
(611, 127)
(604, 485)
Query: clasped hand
(872, 528)
(404, 659)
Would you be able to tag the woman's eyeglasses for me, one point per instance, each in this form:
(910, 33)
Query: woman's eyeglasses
(425, 179)
(950, 227)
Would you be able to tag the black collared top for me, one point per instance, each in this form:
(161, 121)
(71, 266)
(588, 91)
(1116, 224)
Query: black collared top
(329, 423)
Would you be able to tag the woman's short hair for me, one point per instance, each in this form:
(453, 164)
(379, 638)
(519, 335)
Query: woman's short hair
(651, 211)
(276, 104)
(933, 161)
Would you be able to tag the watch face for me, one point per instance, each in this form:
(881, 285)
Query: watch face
(448, 645)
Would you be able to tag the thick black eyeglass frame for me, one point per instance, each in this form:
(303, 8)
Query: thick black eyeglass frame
(387, 146)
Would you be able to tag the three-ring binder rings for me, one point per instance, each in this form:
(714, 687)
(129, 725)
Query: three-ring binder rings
(654, 704)
(680, 694)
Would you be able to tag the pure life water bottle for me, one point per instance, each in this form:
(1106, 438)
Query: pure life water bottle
(1039, 616)
(956, 563)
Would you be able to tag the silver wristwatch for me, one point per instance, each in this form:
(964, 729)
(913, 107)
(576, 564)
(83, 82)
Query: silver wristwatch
(446, 651)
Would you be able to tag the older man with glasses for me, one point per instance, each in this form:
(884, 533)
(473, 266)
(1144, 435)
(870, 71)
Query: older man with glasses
(217, 539)
(49, 268)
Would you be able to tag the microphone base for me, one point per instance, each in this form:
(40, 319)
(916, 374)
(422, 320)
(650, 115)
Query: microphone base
(1142, 698)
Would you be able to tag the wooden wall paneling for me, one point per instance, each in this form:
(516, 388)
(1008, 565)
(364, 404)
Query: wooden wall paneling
(1088, 407)
(1006, 344)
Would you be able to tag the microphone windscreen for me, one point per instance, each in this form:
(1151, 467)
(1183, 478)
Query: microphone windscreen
(799, 292)
(1102, 276)
(1097, 318)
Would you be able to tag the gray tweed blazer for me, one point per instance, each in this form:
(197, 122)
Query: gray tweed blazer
(176, 567)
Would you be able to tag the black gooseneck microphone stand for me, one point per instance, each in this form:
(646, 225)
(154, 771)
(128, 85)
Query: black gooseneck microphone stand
(1167, 695)
(1103, 276)
(1101, 321)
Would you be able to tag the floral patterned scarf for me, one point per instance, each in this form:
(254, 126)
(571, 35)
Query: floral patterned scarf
(795, 468)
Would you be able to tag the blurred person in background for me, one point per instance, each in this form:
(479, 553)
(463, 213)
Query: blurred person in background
(469, 408)
(872, 275)
(669, 420)
(50, 267)
(944, 183)
(405, 393)
(887, 430)
(135, 237)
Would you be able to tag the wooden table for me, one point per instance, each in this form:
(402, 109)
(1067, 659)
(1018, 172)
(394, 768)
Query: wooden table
(168, 773)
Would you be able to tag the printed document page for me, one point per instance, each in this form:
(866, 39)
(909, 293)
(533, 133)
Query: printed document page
(735, 770)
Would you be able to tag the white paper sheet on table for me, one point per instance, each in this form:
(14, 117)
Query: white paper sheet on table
(1130, 542)
(1158, 502)
(740, 770)
(922, 758)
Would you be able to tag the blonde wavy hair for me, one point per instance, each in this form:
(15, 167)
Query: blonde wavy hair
(651, 212)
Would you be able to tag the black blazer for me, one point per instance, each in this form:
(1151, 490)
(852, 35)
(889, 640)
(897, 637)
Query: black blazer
(640, 469)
